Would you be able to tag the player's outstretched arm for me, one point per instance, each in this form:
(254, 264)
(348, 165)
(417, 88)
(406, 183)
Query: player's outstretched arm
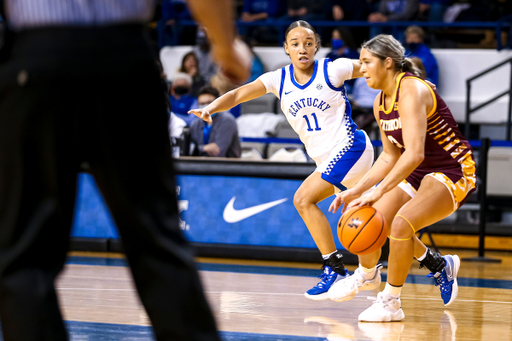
(230, 99)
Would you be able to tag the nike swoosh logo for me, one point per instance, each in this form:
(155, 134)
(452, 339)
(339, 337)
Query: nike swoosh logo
(231, 215)
(286, 93)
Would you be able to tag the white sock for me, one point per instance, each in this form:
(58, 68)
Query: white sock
(367, 273)
(329, 255)
(423, 256)
(392, 290)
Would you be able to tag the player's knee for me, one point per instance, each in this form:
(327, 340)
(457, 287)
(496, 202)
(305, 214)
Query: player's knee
(301, 201)
(400, 229)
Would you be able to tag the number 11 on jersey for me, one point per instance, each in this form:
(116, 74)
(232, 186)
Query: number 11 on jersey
(309, 124)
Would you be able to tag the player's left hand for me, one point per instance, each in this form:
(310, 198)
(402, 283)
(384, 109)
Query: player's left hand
(367, 199)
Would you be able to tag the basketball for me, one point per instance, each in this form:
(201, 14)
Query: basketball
(362, 230)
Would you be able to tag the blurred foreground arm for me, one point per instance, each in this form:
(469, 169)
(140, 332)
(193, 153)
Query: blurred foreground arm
(232, 55)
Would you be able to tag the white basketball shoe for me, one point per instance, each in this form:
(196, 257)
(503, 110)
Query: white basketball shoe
(346, 288)
(386, 308)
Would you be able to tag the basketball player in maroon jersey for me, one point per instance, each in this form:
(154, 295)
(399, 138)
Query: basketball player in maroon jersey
(427, 171)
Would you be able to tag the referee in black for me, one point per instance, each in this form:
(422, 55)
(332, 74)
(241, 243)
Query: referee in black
(79, 83)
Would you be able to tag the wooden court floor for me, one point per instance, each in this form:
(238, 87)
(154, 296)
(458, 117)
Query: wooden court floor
(264, 301)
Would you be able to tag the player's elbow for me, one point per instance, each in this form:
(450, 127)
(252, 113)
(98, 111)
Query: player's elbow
(418, 157)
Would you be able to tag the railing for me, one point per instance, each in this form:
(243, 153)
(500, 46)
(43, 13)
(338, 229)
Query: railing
(470, 110)
(396, 26)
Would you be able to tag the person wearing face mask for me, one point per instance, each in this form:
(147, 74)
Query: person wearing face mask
(181, 99)
(415, 47)
(342, 47)
(218, 138)
(207, 67)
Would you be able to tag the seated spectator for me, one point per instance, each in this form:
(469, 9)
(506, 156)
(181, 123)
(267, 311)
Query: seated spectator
(255, 10)
(190, 66)
(415, 47)
(171, 12)
(466, 10)
(433, 10)
(395, 10)
(207, 67)
(305, 10)
(181, 99)
(218, 138)
(261, 10)
(362, 105)
(498, 10)
(342, 47)
(350, 10)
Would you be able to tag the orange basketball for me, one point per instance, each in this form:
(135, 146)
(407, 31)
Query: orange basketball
(362, 230)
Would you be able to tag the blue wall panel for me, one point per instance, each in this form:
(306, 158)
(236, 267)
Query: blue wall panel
(203, 200)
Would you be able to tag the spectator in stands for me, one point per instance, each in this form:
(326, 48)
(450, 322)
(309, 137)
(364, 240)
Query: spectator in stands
(207, 67)
(395, 10)
(342, 47)
(498, 10)
(190, 66)
(218, 138)
(261, 10)
(466, 10)
(433, 10)
(415, 47)
(350, 10)
(172, 11)
(256, 10)
(305, 10)
(181, 99)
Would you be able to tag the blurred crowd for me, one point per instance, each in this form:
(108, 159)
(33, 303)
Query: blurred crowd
(261, 13)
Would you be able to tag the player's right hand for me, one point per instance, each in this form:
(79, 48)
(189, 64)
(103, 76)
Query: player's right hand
(201, 113)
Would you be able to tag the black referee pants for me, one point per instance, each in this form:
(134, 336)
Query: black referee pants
(74, 95)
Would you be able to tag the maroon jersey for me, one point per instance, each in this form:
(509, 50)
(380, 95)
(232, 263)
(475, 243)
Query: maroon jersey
(445, 147)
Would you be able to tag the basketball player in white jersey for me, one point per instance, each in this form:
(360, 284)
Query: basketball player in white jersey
(314, 101)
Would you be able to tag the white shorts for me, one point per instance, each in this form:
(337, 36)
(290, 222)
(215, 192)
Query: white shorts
(347, 163)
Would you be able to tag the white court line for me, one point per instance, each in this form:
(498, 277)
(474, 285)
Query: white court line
(292, 294)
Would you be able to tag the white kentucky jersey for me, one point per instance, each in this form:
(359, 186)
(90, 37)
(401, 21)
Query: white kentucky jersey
(319, 110)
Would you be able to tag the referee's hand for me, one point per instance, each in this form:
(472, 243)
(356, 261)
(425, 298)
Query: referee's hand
(235, 61)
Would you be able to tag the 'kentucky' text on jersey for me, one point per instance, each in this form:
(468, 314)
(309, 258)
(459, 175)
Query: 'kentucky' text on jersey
(318, 111)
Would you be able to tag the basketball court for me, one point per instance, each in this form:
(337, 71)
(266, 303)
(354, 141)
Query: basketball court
(255, 300)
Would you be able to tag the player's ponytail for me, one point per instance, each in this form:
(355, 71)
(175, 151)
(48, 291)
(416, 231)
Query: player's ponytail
(384, 46)
(407, 65)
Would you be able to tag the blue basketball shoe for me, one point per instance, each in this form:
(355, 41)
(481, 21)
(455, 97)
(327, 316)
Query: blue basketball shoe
(447, 279)
(327, 279)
